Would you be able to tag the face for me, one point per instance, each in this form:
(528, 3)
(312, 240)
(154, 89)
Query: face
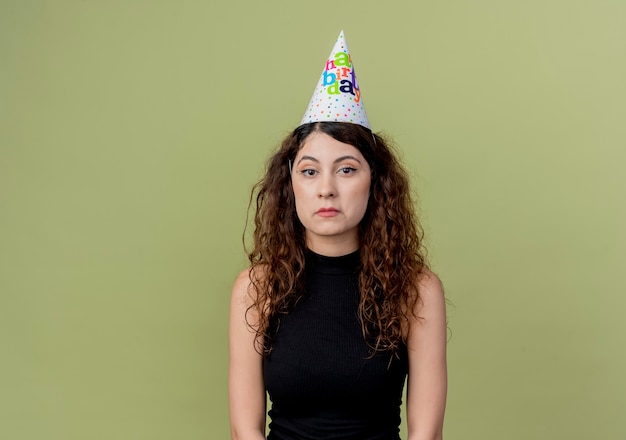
(331, 184)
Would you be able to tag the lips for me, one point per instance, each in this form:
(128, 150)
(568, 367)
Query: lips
(327, 212)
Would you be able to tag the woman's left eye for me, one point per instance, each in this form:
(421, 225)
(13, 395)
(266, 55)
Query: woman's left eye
(347, 170)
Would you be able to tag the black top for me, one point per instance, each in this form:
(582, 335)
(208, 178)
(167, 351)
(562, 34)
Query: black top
(320, 376)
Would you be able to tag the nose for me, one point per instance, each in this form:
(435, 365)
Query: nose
(327, 187)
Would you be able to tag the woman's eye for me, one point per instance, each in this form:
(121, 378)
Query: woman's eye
(347, 170)
(308, 172)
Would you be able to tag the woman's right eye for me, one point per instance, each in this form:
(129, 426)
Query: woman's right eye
(308, 172)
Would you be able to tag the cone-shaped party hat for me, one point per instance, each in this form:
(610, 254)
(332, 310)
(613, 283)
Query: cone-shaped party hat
(337, 96)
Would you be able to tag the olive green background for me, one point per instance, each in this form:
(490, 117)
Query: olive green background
(132, 131)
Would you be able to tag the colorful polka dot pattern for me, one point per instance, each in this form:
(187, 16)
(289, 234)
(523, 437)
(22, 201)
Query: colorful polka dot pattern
(337, 96)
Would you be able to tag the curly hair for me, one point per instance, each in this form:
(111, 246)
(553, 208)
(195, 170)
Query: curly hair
(390, 242)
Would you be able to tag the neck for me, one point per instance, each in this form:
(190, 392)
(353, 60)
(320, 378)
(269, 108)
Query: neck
(332, 246)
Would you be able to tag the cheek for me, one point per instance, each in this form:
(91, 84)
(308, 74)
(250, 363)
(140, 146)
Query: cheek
(361, 197)
(299, 199)
(366, 198)
(299, 193)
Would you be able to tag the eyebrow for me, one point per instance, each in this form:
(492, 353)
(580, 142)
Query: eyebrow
(339, 159)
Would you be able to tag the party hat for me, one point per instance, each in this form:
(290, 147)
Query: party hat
(337, 96)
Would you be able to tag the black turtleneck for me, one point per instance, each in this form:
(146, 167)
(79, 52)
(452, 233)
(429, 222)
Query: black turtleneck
(320, 376)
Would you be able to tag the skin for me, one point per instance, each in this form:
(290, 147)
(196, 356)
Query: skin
(330, 174)
(427, 378)
(327, 173)
(246, 390)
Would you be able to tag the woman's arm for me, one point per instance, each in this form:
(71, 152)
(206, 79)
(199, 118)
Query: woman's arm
(427, 380)
(246, 390)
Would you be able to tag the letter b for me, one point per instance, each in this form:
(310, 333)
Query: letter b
(329, 78)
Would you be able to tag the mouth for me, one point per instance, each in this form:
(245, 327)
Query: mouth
(327, 212)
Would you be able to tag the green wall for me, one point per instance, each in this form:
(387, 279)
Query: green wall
(132, 131)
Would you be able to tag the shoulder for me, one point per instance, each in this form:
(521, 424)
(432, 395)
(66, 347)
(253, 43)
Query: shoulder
(430, 301)
(428, 322)
(429, 285)
(243, 286)
(244, 291)
(242, 281)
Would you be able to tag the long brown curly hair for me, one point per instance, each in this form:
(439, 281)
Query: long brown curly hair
(390, 242)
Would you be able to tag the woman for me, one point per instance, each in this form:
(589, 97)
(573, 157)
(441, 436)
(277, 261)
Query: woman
(338, 306)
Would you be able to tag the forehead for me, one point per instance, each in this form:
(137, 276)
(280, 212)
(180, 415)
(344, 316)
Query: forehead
(322, 146)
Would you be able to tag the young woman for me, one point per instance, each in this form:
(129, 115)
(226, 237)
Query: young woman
(338, 307)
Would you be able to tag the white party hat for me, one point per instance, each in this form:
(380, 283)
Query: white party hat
(337, 96)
